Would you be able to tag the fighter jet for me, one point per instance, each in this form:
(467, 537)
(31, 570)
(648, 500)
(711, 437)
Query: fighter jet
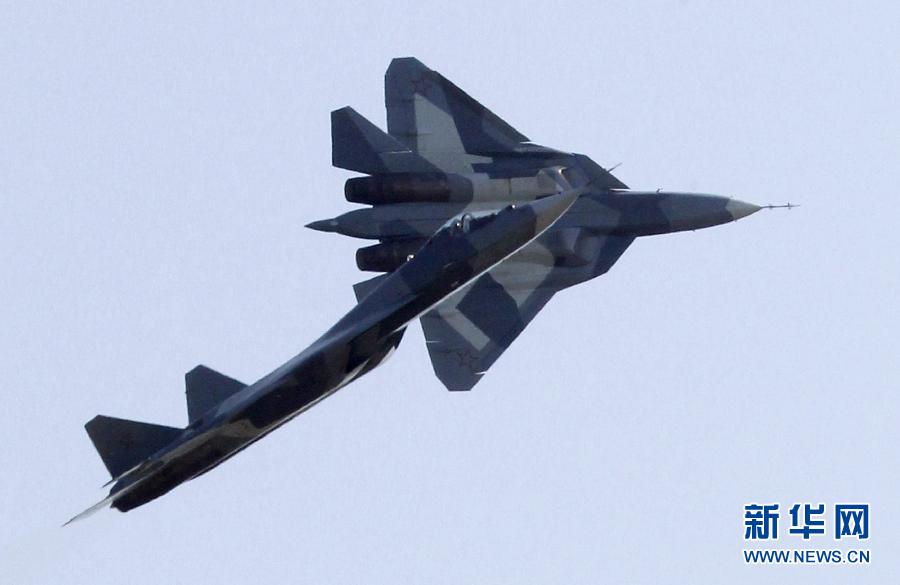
(226, 416)
(444, 154)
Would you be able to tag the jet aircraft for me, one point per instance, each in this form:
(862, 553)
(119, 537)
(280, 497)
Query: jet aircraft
(226, 416)
(444, 154)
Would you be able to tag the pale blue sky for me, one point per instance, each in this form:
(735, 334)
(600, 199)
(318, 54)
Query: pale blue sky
(157, 165)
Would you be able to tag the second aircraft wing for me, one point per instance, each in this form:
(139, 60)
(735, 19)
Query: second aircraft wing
(470, 330)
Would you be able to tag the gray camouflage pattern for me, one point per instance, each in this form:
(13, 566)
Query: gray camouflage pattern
(226, 416)
(446, 154)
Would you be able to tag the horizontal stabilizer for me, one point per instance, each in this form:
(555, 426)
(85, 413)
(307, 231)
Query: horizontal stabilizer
(362, 289)
(206, 388)
(359, 145)
(122, 444)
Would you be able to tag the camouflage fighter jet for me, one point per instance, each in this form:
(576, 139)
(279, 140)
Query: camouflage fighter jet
(444, 154)
(226, 416)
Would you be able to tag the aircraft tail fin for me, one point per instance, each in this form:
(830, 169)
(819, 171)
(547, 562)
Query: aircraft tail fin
(123, 444)
(359, 145)
(206, 388)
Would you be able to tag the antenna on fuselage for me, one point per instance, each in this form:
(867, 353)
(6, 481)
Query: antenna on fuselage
(785, 206)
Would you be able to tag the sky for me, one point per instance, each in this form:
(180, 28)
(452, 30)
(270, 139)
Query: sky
(158, 164)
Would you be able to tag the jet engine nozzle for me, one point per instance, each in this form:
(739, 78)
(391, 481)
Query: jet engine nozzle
(405, 188)
(387, 256)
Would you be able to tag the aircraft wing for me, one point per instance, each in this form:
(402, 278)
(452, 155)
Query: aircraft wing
(436, 127)
(469, 331)
(439, 121)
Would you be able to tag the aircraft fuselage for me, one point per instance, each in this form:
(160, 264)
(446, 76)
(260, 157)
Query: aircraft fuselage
(359, 342)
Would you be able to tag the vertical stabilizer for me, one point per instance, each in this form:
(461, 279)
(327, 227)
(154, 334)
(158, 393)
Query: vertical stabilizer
(359, 145)
(122, 444)
(206, 388)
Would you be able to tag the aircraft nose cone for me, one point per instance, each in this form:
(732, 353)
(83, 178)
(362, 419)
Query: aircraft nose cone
(324, 225)
(739, 209)
(549, 209)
